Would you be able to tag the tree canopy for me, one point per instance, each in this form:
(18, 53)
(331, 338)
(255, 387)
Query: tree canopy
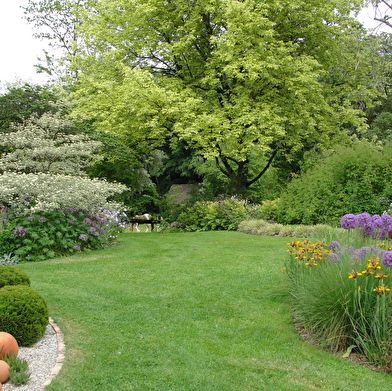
(227, 79)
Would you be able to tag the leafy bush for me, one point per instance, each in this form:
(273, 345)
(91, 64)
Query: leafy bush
(10, 275)
(351, 179)
(24, 313)
(223, 214)
(38, 236)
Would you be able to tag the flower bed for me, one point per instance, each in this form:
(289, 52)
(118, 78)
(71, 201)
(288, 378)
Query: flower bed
(342, 289)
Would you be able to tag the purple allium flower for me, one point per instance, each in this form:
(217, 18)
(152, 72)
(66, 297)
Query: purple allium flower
(42, 220)
(348, 249)
(369, 228)
(349, 221)
(333, 257)
(382, 234)
(377, 221)
(387, 220)
(91, 230)
(96, 233)
(387, 259)
(76, 247)
(363, 218)
(334, 245)
(19, 231)
(31, 218)
(83, 237)
(87, 221)
(360, 254)
(71, 210)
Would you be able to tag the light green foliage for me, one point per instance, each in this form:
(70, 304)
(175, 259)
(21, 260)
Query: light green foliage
(45, 192)
(346, 180)
(227, 78)
(40, 145)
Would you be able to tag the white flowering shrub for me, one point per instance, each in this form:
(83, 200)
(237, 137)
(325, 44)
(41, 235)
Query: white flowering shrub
(45, 145)
(48, 192)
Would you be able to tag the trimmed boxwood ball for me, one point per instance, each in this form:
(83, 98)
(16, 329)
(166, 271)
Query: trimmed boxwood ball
(24, 313)
(10, 275)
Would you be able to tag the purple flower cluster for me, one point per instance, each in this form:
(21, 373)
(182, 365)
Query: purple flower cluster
(20, 231)
(334, 246)
(375, 226)
(387, 259)
(83, 237)
(355, 255)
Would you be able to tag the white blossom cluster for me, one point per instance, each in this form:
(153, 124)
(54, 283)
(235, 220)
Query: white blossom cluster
(43, 145)
(47, 192)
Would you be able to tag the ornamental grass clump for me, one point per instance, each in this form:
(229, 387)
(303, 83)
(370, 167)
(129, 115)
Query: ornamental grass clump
(342, 294)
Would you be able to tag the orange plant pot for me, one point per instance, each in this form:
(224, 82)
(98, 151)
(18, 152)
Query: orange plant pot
(4, 371)
(8, 344)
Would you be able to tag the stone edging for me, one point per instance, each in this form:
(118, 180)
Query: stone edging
(60, 354)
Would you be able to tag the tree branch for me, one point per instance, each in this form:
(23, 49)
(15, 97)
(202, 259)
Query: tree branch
(255, 179)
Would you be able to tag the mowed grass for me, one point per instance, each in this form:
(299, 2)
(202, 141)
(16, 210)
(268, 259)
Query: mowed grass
(186, 311)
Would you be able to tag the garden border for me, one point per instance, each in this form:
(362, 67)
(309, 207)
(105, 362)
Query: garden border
(60, 354)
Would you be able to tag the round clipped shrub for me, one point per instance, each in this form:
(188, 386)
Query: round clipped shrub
(24, 313)
(10, 275)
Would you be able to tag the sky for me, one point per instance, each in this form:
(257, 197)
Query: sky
(19, 49)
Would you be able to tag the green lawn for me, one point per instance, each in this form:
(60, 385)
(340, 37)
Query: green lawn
(186, 311)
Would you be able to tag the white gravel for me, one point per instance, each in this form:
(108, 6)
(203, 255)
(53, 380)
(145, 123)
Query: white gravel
(42, 359)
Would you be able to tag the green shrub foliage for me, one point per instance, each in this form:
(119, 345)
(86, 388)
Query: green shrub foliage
(222, 214)
(24, 313)
(10, 275)
(43, 235)
(348, 180)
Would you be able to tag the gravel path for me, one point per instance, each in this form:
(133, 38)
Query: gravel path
(44, 359)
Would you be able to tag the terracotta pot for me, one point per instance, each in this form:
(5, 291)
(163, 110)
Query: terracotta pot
(390, 234)
(4, 371)
(8, 344)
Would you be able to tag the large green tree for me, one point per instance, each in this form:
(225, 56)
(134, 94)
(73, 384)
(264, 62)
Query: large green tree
(230, 79)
